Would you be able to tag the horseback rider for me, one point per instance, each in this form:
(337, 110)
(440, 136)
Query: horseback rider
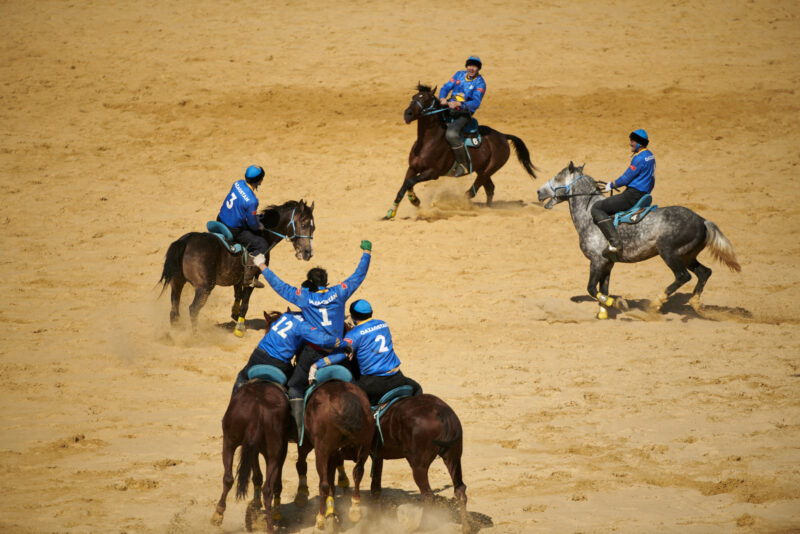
(281, 342)
(466, 89)
(323, 308)
(239, 212)
(639, 179)
(372, 347)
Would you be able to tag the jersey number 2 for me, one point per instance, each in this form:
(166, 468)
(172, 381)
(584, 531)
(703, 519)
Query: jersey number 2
(282, 331)
(382, 339)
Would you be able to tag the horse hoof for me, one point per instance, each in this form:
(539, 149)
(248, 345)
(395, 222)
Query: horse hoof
(343, 483)
(331, 524)
(621, 304)
(301, 499)
(216, 519)
(602, 314)
(320, 522)
(413, 199)
(390, 215)
(355, 514)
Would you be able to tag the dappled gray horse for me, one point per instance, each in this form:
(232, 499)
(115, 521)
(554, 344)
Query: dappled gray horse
(675, 233)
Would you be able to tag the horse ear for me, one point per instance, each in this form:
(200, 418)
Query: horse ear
(571, 167)
(435, 87)
(311, 209)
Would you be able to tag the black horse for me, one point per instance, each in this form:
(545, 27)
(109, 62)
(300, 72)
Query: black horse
(432, 157)
(202, 260)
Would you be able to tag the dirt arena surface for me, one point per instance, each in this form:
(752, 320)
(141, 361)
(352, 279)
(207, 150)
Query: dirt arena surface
(125, 124)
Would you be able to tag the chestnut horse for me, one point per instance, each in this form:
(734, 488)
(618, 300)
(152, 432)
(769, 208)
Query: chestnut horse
(259, 421)
(338, 425)
(432, 157)
(201, 259)
(419, 429)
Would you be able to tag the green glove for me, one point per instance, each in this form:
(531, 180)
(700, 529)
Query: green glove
(366, 245)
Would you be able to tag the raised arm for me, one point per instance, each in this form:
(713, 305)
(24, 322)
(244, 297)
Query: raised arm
(354, 281)
(290, 293)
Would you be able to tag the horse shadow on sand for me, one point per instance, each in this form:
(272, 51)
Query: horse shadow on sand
(249, 324)
(677, 304)
(397, 510)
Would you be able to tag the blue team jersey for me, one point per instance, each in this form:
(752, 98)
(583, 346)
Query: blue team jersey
(468, 92)
(640, 174)
(322, 309)
(240, 208)
(372, 347)
(288, 333)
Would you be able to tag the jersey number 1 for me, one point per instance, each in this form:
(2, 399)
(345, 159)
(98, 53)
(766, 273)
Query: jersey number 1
(325, 320)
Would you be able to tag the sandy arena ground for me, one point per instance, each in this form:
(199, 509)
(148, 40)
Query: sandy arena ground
(126, 122)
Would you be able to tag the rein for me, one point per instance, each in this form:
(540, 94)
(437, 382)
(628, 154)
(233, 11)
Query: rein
(430, 110)
(294, 231)
(568, 187)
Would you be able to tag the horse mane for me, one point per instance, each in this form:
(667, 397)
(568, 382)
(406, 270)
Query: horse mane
(288, 205)
(424, 88)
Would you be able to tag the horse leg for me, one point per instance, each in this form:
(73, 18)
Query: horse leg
(452, 460)
(175, 297)
(675, 263)
(600, 273)
(252, 517)
(325, 465)
(702, 273)
(240, 327)
(485, 181)
(227, 479)
(277, 484)
(301, 497)
(377, 471)
(358, 473)
(272, 499)
(200, 297)
(237, 301)
(411, 179)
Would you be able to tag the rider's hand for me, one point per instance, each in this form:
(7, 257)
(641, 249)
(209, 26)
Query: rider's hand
(443, 101)
(366, 245)
(453, 104)
(259, 260)
(312, 374)
(607, 188)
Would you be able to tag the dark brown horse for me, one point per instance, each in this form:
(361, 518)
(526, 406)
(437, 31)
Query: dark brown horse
(432, 157)
(202, 260)
(419, 429)
(338, 425)
(259, 421)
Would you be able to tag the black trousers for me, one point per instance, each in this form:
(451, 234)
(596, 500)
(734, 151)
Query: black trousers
(260, 357)
(609, 206)
(254, 243)
(377, 386)
(307, 357)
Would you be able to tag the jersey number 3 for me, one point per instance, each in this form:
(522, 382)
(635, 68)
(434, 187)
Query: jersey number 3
(229, 203)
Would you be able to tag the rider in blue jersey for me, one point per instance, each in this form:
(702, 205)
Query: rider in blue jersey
(322, 307)
(639, 179)
(239, 212)
(281, 342)
(371, 342)
(466, 89)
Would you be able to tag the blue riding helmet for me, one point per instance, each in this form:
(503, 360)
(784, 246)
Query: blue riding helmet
(474, 60)
(362, 306)
(640, 136)
(253, 174)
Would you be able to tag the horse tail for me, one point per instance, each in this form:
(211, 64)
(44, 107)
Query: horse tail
(523, 155)
(451, 433)
(720, 248)
(248, 459)
(173, 262)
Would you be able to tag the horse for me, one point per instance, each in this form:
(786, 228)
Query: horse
(258, 420)
(675, 233)
(419, 429)
(432, 157)
(201, 259)
(338, 425)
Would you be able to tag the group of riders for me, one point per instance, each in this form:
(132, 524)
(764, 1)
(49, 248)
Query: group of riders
(316, 334)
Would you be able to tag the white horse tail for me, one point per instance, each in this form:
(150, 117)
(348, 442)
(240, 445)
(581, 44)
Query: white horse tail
(720, 248)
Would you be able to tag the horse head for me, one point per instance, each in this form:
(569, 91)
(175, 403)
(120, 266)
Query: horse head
(557, 189)
(303, 225)
(424, 101)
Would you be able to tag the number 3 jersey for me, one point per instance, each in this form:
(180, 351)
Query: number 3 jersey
(288, 333)
(372, 346)
(240, 207)
(322, 309)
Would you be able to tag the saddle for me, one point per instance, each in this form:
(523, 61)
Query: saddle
(389, 398)
(636, 213)
(224, 234)
(326, 374)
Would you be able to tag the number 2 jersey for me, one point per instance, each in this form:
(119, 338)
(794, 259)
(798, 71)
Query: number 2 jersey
(323, 309)
(373, 349)
(288, 333)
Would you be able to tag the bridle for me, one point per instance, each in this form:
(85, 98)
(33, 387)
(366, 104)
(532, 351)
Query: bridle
(293, 228)
(430, 110)
(568, 188)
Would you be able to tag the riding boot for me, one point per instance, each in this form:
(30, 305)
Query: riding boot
(296, 407)
(462, 160)
(610, 231)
